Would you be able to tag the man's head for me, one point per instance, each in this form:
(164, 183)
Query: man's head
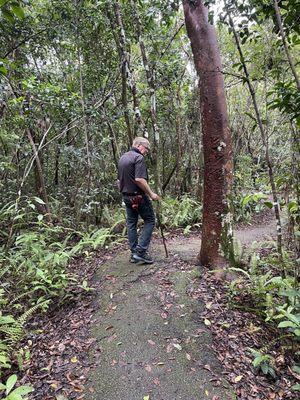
(142, 144)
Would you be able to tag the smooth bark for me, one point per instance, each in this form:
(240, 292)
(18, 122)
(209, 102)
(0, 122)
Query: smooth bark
(216, 228)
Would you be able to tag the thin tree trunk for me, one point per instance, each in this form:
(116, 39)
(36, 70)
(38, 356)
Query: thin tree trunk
(82, 101)
(263, 137)
(287, 52)
(128, 78)
(85, 128)
(114, 145)
(165, 184)
(56, 172)
(295, 182)
(151, 85)
(216, 228)
(40, 183)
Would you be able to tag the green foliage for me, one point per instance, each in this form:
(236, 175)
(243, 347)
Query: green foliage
(290, 319)
(91, 240)
(286, 98)
(34, 270)
(12, 393)
(245, 205)
(274, 296)
(263, 363)
(181, 212)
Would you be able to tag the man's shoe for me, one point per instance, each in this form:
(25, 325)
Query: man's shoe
(145, 258)
(132, 259)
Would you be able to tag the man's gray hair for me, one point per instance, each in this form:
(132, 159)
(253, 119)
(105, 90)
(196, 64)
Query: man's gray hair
(141, 140)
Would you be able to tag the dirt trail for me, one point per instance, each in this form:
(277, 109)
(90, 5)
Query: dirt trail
(149, 338)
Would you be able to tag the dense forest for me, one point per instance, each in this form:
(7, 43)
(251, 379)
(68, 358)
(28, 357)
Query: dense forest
(79, 80)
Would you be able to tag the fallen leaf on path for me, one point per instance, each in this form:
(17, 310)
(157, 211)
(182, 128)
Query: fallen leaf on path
(61, 347)
(238, 378)
(74, 360)
(148, 368)
(177, 346)
(151, 342)
(169, 348)
(108, 327)
(188, 357)
(164, 315)
(207, 322)
(146, 397)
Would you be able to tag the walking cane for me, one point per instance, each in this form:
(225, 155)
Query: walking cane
(159, 224)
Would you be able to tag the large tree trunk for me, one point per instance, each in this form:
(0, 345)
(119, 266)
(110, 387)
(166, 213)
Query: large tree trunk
(216, 229)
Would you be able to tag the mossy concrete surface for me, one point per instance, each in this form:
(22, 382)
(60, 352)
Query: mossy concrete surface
(149, 339)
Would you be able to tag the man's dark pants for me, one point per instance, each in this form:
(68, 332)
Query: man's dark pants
(145, 211)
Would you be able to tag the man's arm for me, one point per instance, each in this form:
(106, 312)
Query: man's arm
(143, 184)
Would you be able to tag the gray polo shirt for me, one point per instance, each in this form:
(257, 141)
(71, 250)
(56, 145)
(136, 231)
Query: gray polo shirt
(131, 166)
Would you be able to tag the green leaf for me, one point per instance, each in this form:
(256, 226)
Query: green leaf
(265, 368)
(18, 11)
(268, 204)
(8, 16)
(14, 396)
(3, 70)
(2, 386)
(38, 200)
(286, 324)
(6, 319)
(256, 361)
(10, 383)
(296, 369)
(22, 390)
(296, 388)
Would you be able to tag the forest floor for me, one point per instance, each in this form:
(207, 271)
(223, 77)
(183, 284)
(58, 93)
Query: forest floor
(154, 332)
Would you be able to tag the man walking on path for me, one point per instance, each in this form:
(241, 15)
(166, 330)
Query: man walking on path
(133, 184)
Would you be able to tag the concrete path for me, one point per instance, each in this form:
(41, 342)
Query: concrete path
(150, 340)
(151, 344)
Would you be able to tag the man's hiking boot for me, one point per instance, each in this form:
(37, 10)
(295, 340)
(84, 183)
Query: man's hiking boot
(145, 258)
(132, 259)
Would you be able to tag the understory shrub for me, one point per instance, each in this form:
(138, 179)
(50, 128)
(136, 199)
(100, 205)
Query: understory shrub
(34, 259)
(272, 288)
(181, 212)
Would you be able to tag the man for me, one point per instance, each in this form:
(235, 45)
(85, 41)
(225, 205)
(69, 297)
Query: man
(133, 184)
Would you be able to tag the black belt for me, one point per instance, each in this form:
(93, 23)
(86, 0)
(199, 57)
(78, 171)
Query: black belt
(131, 194)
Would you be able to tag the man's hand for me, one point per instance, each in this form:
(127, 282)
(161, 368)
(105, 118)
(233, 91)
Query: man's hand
(143, 184)
(154, 196)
